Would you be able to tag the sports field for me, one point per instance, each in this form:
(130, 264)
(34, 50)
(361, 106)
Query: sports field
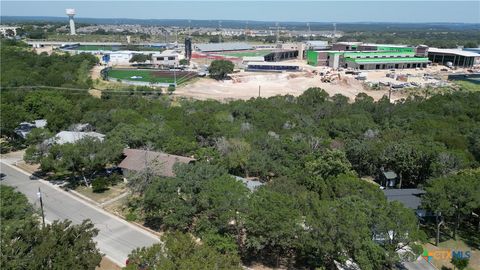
(151, 76)
(247, 53)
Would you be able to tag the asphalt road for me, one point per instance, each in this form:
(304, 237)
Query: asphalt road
(419, 264)
(116, 237)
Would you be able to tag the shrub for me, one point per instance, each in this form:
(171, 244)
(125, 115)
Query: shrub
(99, 185)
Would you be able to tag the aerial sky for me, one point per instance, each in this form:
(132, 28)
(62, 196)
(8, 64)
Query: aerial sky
(301, 11)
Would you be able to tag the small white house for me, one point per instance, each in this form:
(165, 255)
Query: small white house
(64, 137)
(167, 58)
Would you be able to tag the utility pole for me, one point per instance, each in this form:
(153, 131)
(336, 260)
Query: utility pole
(390, 94)
(259, 90)
(439, 223)
(39, 194)
(175, 74)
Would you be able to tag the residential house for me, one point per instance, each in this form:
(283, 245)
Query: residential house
(162, 164)
(25, 128)
(64, 137)
(388, 179)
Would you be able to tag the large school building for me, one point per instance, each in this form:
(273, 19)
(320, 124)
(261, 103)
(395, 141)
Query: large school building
(361, 56)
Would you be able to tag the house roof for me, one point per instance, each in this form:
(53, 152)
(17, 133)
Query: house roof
(26, 127)
(73, 136)
(390, 175)
(162, 163)
(410, 197)
(252, 185)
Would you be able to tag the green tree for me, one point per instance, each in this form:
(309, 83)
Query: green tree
(312, 97)
(454, 196)
(81, 159)
(460, 263)
(180, 251)
(219, 69)
(221, 202)
(272, 224)
(322, 167)
(171, 89)
(140, 58)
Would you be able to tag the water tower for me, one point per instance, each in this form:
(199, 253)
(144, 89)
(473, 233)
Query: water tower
(70, 13)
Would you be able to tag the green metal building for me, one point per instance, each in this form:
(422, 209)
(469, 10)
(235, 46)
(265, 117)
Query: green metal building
(382, 58)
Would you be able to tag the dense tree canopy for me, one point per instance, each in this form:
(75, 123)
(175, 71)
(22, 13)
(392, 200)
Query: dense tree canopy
(179, 251)
(26, 68)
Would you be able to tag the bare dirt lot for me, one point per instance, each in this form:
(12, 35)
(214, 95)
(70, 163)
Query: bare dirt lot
(246, 85)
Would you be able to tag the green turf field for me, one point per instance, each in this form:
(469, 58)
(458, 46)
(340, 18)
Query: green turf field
(147, 76)
(242, 54)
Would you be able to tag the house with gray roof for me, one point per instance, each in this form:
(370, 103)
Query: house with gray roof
(64, 137)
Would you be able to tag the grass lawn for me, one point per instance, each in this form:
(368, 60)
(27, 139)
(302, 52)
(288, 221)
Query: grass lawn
(242, 54)
(111, 193)
(468, 85)
(146, 76)
(457, 245)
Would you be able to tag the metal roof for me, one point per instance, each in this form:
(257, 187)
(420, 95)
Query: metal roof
(410, 197)
(378, 53)
(253, 59)
(385, 45)
(73, 136)
(453, 51)
(218, 47)
(317, 42)
(389, 60)
(390, 175)
(278, 64)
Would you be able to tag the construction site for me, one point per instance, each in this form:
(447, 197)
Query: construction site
(277, 68)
